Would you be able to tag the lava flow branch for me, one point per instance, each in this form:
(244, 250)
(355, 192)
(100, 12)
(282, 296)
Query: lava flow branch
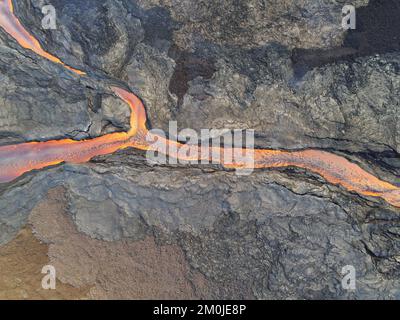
(18, 159)
(14, 28)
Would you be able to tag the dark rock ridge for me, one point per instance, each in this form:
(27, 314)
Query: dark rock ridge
(217, 64)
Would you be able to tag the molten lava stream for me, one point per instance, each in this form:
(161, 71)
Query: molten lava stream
(10, 23)
(333, 168)
(17, 159)
(20, 158)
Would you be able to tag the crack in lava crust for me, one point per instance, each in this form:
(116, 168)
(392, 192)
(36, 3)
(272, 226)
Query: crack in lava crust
(18, 159)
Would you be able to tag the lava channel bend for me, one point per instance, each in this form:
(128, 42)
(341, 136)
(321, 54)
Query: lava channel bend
(18, 159)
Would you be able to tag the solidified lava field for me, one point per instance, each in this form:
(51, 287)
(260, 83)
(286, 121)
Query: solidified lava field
(98, 186)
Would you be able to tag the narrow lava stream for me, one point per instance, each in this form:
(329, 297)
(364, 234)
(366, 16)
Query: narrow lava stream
(18, 159)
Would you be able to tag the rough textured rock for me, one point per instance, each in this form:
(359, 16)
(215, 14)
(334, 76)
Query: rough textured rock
(281, 68)
(113, 270)
(255, 23)
(21, 263)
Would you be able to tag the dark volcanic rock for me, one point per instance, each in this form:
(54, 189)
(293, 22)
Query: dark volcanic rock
(376, 32)
(215, 64)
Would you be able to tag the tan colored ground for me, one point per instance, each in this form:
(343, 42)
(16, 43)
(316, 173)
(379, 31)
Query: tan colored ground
(91, 268)
(21, 262)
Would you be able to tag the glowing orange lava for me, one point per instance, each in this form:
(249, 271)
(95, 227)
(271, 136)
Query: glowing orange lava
(10, 23)
(17, 159)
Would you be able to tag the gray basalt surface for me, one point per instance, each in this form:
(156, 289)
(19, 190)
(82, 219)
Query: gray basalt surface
(216, 64)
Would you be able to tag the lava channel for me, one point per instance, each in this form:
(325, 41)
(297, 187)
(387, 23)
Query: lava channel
(18, 159)
(10, 23)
